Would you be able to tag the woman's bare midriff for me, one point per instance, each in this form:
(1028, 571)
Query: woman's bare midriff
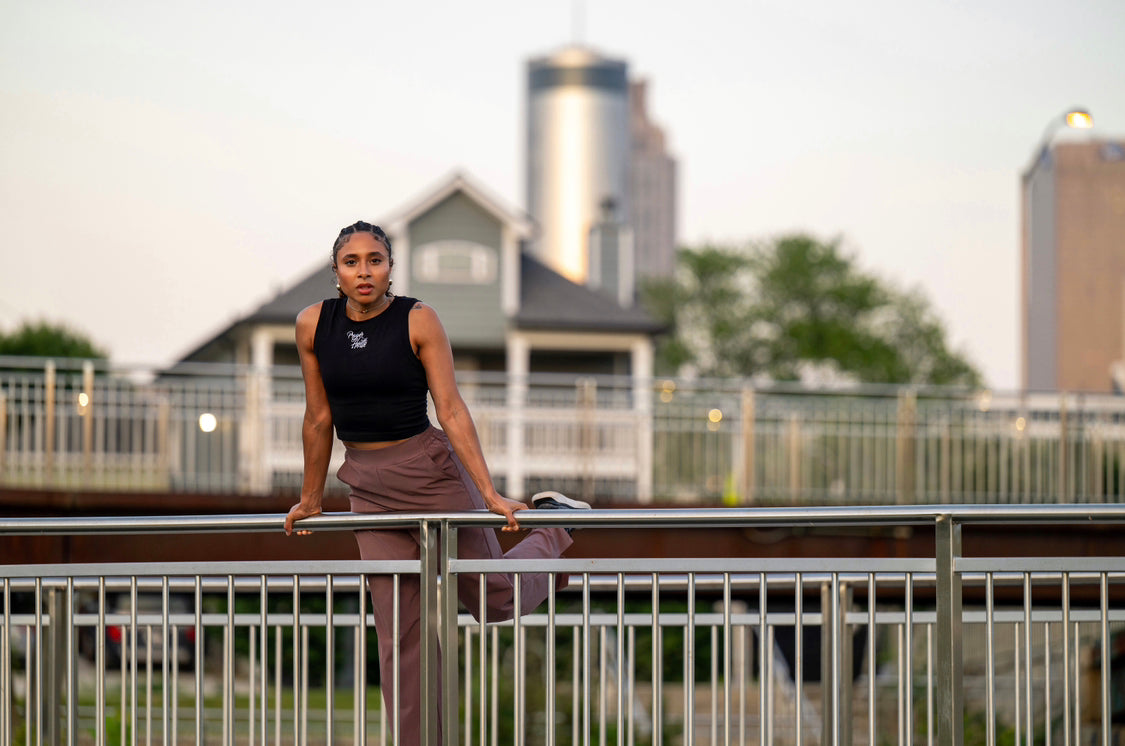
(374, 446)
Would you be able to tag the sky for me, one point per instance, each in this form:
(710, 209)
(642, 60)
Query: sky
(166, 167)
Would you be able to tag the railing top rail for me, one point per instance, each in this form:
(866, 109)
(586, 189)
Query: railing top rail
(146, 372)
(627, 518)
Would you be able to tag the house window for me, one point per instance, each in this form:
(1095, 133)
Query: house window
(455, 262)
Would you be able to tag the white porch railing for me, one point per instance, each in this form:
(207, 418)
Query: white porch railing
(222, 428)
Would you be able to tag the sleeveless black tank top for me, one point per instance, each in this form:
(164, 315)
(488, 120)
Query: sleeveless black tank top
(376, 385)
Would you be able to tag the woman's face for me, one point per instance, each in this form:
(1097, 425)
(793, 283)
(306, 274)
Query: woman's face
(363, 269)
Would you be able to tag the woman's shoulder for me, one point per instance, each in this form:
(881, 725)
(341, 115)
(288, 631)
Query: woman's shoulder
(310, 316)
(411, 305)
(312, 312)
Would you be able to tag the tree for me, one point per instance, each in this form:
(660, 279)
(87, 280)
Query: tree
(44, 339)
(796, 308)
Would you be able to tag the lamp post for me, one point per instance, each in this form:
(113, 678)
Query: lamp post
(1079, 119)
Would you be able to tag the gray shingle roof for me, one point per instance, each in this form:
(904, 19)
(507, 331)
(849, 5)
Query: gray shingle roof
(284, 307)
(550, 301)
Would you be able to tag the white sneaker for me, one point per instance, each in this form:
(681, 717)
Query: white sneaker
(551, 500)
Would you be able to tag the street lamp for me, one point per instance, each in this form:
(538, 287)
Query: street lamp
(1079, 119)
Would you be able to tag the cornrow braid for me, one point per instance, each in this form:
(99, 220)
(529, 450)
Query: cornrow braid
(360, 227)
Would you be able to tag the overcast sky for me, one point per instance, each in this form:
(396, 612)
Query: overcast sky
(165, 167)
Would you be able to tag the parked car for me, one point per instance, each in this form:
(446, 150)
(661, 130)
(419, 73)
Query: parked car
(117, 642)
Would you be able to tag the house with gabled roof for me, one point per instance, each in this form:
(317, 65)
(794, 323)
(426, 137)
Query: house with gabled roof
(462, 251)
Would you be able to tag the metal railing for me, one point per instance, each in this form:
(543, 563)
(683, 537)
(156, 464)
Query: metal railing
(637, 651)
(225, 428)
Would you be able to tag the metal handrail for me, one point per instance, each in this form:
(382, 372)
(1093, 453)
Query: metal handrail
(625, 518)
(946, 570)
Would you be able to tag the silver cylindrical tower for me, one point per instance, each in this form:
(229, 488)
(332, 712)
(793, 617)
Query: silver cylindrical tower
(577, 151)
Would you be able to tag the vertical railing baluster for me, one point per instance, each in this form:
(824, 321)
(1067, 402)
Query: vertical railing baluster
(872, 638)
(359, 736)
(495, 691)
(763, 679)
(36, 695)
(230, 706)
(1018, 701)
(448, 630)
(278, 664)
(430, 673)
(798, 656)
(165, 663)
(482, 616)
(1029, 703)
(1047, 680)
(989, 661)
(7, 702)
(551, 661)
(72, 663)
(603, 685)
(298, 712)
(689, 664)
(620, 659)
(199, 667)
(306, 711)
(587, 725)
(657, 667)
(330, 659)
(836, 678)
(908, 660)
(714, 686)
(263, 655)
(1066, 658)
(1077, 685)
(1105, 657)
(950, 680)
(131, 654)
(726, 659)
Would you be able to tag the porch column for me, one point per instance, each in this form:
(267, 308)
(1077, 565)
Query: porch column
(254, 443)
(519, 359)
(642, 359)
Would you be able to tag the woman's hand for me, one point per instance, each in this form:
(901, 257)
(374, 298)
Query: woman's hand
(296, 513)
(506, 507)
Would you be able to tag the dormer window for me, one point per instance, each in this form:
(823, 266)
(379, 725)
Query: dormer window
(457, 262)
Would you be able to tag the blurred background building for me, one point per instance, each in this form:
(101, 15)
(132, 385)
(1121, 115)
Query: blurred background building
(550, 289)
(652, 184)
(601, 185)
(1073, 268)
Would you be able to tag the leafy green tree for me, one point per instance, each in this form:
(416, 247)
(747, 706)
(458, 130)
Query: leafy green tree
(796, 308)
(44, 339)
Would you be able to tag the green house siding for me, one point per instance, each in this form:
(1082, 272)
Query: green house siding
(470, 312)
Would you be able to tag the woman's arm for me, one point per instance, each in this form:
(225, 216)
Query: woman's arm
(316, 430)
(432, 347)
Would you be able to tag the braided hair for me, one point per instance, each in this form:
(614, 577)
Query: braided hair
(360, 226)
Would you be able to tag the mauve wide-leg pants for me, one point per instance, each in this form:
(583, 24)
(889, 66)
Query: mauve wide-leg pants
(423, 474)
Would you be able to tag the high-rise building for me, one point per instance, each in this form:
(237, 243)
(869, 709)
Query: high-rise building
(577, 152)
(652, 190)
(1073, 268)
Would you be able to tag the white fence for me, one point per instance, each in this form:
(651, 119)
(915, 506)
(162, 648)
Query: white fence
(222, 428)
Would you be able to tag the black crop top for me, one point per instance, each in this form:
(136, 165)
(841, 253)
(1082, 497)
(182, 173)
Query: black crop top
(375, 383)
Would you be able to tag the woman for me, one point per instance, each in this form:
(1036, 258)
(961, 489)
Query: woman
(368, 359)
